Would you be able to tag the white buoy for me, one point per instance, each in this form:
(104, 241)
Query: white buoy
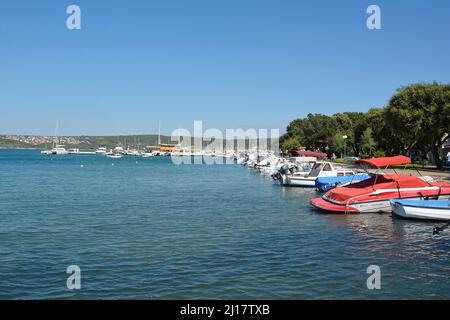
(82, 166)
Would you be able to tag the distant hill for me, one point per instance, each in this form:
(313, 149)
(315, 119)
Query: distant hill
(81, 142)
(87, 142)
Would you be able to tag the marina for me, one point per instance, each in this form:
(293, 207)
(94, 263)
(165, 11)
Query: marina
(156, 239)
(226, 153)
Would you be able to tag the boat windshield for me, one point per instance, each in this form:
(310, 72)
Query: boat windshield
(316, 170)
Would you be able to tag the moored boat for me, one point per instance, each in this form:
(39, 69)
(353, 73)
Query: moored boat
(438, 210)
(327, 183)
(114, 155)
(147, 155)
(59, 150)
(320, 169)
(101, 151)
(374, 194)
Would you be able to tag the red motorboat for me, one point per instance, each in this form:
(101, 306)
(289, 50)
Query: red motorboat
(373, 195)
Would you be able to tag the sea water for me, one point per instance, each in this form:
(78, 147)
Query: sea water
(145, 228)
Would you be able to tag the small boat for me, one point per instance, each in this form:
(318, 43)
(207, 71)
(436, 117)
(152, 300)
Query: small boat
(114, 156)
(56, 149)
(438, 210)
(119, 150)
(327, 183)
(101, 151)
(295, 166)
(132, 152)
(373, 195)
(320, 169)
(147, 155)
(59, 150)
(270, 165)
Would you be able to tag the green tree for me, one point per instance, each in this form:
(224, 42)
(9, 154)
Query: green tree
(337, 144)
(368, 144)
(313, 132)
(318, 130)
(419, 115)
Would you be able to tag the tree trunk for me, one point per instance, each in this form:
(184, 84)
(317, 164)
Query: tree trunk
(437, 159)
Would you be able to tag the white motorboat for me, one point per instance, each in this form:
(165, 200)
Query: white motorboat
(101, 151)
(269, 165)
(132, 152)
(242, 160)
(438, 210)
(320, 169)
(147, 155)
(119, 150)
(59, 150)
(295, 166)
(114, 155)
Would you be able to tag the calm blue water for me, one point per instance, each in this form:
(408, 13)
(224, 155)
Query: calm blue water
(145, 228)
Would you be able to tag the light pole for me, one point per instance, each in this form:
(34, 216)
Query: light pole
(345, 145)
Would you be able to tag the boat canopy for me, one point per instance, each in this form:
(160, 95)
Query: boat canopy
(365, 187)
(328, 183)
(387, 161)
(311, 154)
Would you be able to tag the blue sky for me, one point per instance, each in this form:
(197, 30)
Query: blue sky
(230, 63)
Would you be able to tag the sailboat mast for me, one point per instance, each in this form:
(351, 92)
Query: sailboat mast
(55, 137)
(159, 133)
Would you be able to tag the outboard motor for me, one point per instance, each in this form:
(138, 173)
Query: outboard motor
(293, 169)
(284, 169)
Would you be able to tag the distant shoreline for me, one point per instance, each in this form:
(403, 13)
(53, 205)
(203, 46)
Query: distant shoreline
(14, 148)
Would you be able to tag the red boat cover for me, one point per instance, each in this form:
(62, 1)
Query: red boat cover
(311, 154)
(366, 187)
(382, 162)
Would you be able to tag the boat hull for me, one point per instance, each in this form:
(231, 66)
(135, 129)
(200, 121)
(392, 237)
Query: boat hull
(411, 210)
(299, 182)
(374, 206)
(60, 153)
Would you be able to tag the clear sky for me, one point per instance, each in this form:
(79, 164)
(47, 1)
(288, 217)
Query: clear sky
(230, 63)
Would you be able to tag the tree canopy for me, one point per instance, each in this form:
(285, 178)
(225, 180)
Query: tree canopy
(417, 117)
